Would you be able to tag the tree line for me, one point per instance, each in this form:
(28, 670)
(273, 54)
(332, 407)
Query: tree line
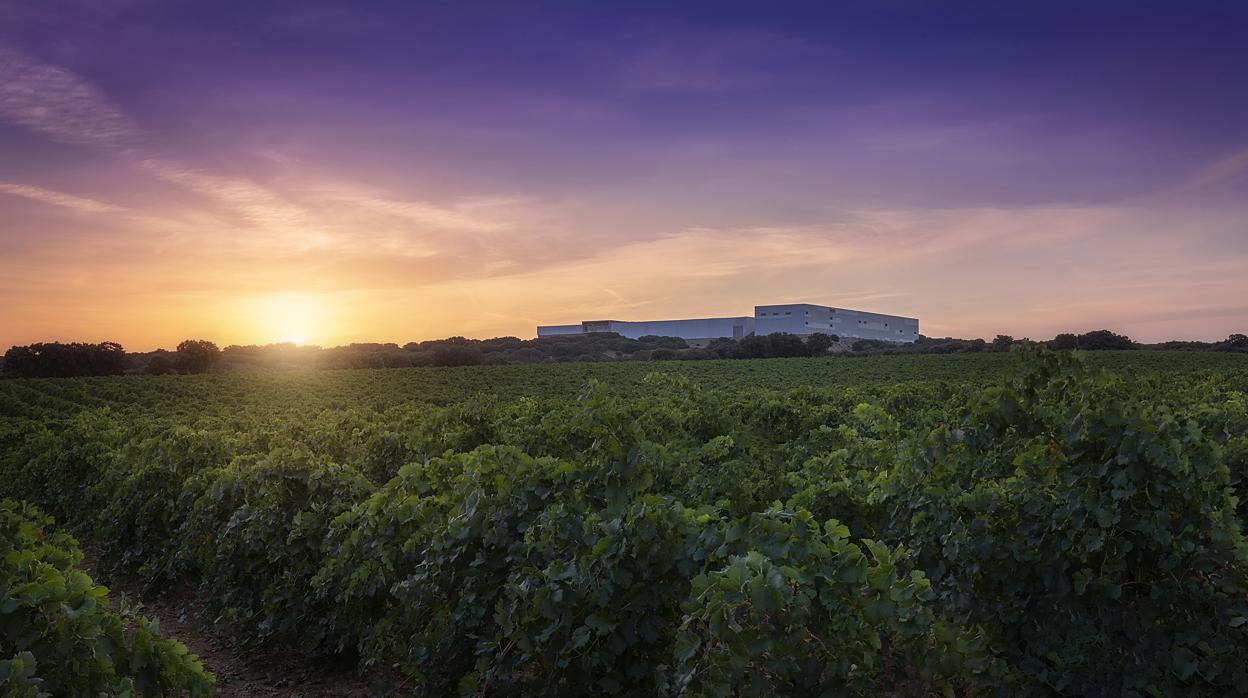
(65, 360)
(57, 360)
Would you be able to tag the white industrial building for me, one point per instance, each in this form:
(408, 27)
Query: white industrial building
(793, 318)
(804, 318)
(701, 328)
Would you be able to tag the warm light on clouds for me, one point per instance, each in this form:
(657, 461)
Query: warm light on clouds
(55, 198)
(655, 171)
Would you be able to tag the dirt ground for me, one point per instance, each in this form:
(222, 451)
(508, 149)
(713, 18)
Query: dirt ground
(240, 671)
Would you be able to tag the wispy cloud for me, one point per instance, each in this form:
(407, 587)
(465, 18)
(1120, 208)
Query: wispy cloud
(1221, 171)
(256, 203)
(460, 217)
(57, 198)
(60, 104)
(339, 216)
(69, 109)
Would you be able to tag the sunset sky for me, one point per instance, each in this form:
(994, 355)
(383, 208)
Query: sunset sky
(325, 173)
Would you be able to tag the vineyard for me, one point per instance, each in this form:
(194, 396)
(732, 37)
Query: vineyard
(1031, 523)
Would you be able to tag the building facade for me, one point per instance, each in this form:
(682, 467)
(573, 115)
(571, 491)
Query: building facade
(693, 330)
(793, 318)
(805, 319)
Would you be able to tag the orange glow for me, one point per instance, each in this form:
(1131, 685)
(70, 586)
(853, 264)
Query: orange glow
(287, 317)
(970, 272)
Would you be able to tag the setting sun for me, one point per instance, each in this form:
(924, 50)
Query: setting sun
(295, 318)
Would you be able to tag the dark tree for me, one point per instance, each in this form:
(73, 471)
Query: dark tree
(1002, 342)
(1065, 340)
(818, 344)
(109, 359)
(1236, 342)
(787, 345)
(56, 360)
(664, 342)
(160, 364)
(456, 354)
(870, 344)
(753, 347)
(196, 356)
(1098, 340)
(21, 362)
(725, 348)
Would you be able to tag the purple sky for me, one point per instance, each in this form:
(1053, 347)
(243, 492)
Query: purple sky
(323, 172)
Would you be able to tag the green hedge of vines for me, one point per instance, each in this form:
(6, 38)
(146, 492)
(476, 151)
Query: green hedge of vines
(1061, 530)
(58, 636)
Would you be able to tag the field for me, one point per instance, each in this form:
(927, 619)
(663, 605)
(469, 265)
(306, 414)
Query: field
(981, 524)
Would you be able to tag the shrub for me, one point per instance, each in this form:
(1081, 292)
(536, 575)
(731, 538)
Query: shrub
(1093, 535)
(57, 634)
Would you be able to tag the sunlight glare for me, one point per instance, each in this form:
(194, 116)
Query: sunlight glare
(295, 318)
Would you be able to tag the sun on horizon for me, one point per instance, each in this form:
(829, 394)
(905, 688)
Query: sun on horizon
(295, 318)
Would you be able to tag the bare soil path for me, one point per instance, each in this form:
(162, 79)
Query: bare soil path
(240, 671)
